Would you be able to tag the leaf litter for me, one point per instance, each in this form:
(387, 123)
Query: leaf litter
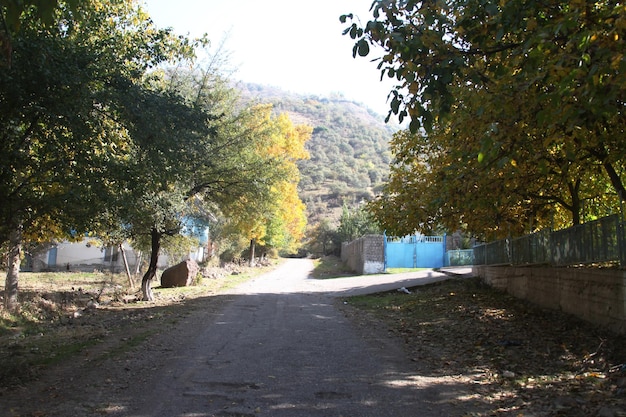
(519, 359)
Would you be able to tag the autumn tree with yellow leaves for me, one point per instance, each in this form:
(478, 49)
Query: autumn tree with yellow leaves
(516, 109)
(277, 219)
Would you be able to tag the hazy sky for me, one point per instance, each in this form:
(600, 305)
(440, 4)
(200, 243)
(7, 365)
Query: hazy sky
(293, 44)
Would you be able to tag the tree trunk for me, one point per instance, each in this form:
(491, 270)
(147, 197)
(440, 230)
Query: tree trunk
(601, 154)
(138, 263)
(574, 190)
(616, 181)
(252, 248)
(13, 269)
(130, 278)
(146, 291)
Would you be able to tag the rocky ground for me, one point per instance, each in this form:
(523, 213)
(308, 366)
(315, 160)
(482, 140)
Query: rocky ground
(519, 360)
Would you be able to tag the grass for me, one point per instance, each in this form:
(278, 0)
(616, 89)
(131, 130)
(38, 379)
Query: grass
(403, 270)
(330, 267)
(520, 357)
(129, 343)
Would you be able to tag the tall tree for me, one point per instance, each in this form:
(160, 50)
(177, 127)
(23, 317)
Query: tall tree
(554, 71)
(287, 224)
(276, 218)
(63, 150)
(494, 178)
(224, 154)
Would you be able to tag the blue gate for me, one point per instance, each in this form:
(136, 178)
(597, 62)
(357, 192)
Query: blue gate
(415, 251)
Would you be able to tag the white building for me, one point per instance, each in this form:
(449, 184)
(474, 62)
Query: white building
(85, 256)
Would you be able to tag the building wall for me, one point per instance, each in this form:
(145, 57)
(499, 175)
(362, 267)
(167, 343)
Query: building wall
(365, 255)
(594, 295)
(86, 256)
(82, 256)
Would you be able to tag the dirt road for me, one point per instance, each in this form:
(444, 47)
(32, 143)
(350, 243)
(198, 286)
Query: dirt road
(280, 345)
(282, 348)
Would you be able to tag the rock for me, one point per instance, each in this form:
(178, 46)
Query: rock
(508, 374)
(127, 299)
(181, 275)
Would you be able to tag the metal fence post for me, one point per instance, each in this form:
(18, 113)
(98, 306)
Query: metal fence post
(385, 251)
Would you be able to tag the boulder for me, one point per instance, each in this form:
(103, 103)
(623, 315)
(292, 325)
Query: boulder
(180, 275)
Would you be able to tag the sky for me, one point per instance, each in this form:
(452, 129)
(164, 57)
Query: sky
(295, 45)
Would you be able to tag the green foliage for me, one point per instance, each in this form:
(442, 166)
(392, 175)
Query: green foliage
(324, 239)
(330, 267)
(270, 214)
(521, 105)
(98, 137)
(356, 223)
(65, 143)
(13, 11)
(177, 247)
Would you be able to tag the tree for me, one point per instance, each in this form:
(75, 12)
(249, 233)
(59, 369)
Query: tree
(216, 152)
(287, 225)
(324, 239)
(275, 219)
(64, 150)
(170, 142)
(527, 180)
(13, 12)
(539, 85)
(356, 223)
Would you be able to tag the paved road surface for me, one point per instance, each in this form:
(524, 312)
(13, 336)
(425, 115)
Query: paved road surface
(283, 348)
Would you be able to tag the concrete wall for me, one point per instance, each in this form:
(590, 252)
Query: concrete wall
(594, 295)
(365, 255)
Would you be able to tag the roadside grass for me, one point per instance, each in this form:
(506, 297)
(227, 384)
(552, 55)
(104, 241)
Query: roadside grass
(520, 358)
(403, 270)
(330, 267)
(129, 343)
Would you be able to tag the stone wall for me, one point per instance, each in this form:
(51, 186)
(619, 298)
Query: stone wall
(594, 295)
(365, 255)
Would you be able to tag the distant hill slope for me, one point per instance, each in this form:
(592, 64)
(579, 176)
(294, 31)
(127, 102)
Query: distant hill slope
(349, 148)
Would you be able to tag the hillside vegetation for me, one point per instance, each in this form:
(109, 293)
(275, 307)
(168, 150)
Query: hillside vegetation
(349, 149)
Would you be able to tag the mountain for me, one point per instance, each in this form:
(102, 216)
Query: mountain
(349, 148)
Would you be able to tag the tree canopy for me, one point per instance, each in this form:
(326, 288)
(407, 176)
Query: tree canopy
(65, 144)
(275, 219)
(111, 126)
(516, 110)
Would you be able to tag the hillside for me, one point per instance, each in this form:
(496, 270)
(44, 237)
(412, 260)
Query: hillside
(349, 148)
